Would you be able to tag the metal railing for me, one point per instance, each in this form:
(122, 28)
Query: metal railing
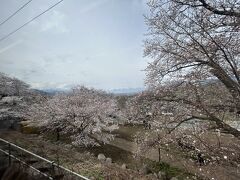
(8, 151)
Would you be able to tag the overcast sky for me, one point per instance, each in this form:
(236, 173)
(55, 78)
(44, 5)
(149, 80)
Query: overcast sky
(97, 43)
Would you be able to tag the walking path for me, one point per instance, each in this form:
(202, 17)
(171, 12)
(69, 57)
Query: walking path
(209, 171)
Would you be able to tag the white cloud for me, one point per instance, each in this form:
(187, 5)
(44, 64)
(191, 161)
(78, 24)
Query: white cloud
(51, 85)
(2, 50)
(101, 49)
(92, 6)
(56, 23)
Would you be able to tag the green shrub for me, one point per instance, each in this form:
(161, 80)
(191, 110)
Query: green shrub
(169, 170)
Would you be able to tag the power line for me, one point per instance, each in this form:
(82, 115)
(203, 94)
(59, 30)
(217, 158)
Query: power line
(15, 12)
(9, 34)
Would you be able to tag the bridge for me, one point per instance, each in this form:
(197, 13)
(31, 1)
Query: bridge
(35, 165)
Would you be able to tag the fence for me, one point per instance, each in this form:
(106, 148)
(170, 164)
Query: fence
(36, 164)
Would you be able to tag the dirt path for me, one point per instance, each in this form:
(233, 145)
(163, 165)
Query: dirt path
(211, 172)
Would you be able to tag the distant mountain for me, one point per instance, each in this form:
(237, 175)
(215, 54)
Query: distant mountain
(122, 91)
(40, 92)
(51, 91)
(127, 91)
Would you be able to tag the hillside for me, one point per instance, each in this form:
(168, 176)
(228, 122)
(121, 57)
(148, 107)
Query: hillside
(15, 97)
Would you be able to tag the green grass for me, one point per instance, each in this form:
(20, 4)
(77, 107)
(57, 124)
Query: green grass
(29, 130)
(169, 170)
(96, 174)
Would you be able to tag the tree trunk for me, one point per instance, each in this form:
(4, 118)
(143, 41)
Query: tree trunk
(229, 83)
(58, 135)
(159, 154)
(230, 130)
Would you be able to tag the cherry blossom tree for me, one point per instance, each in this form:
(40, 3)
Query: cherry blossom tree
(194, 88)
(198, 140)
(195, 47)
(15, 97)
(83, 114)
(12, 86)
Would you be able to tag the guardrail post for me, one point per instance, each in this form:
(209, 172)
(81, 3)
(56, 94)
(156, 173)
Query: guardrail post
(53, 169)
(9, 154)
